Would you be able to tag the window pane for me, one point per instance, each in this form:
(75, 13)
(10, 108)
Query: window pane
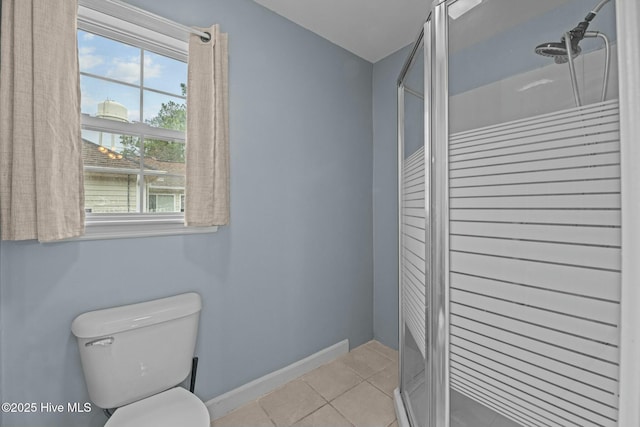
(165, 154)
(164, 193)
(108, 58)
(108, 185)
(162, 202)
(164, 175)
(165, 74)
(164, 111)
(109, 100)
(103, 149)
(110, 193)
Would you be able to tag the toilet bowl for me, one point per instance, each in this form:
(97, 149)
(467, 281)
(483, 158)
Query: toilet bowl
(134, 356)
(171, 408)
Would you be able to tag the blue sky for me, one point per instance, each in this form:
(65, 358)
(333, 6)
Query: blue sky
(108, 58)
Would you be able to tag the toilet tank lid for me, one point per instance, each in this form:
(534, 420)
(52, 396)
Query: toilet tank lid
(109, 321)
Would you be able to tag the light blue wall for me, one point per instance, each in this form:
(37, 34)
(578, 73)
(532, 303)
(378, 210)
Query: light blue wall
(291, 275)
(385, 198)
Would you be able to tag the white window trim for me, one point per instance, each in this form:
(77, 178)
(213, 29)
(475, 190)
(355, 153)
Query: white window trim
(119, 226)
(128, 24)
(134, 128)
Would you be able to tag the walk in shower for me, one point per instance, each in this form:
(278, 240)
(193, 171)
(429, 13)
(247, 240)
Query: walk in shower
(510, 216)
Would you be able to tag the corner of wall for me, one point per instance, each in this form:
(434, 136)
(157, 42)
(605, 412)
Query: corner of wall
(385, 284)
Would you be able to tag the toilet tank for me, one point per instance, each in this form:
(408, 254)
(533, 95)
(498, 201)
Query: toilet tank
(134, 351)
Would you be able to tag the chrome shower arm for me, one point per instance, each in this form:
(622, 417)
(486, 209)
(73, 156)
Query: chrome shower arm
(594, 11)
(599, 6)
(607, 52)
(572, 70)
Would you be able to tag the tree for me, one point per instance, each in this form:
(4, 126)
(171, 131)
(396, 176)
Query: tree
(172, 115)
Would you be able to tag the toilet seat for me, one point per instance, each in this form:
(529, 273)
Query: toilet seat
(171, 408)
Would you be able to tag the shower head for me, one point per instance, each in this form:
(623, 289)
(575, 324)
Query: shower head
(557, 50)
(568, 48)
(551, 49)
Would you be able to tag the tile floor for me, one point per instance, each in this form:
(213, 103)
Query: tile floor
(354, 390)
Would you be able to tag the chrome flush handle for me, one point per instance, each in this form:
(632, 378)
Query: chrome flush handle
(100, 341)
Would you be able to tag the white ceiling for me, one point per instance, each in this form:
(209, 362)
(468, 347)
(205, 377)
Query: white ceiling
(371, 29)
(374, 29)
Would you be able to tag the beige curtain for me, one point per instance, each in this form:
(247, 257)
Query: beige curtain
(207, 158)
(41, 178)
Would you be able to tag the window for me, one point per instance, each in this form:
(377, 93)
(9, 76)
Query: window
(133, 86)
(127, 85)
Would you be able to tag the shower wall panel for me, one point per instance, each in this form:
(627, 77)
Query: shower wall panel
(535, 266)
(532, 93)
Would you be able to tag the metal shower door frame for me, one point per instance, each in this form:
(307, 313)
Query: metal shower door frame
(436, 213)
(440, 307)
(400, 127)
(423, 37)
(628, 39)
(434, 36)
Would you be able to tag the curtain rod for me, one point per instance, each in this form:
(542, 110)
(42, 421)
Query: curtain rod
(112, 7)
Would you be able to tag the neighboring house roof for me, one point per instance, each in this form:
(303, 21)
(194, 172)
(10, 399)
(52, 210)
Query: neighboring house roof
(176, 168)
(92, 156)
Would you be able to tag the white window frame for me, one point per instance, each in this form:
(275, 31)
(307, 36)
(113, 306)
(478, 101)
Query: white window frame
(127, 24)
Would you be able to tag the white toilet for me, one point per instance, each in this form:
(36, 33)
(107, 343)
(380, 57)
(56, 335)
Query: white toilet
(134, 356)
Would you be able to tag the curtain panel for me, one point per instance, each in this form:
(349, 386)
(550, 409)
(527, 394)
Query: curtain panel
(41, 176)
(207, 150)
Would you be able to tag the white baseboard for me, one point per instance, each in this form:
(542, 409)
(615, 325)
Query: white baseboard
(401, 413)
(220, 406)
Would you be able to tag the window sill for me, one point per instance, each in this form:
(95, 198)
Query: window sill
(123, 226)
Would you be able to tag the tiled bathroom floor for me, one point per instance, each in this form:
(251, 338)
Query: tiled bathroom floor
(354, 390)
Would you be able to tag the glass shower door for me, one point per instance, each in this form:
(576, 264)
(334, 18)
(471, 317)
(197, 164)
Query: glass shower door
(413, 250)
(510, 216)
(534, 233)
